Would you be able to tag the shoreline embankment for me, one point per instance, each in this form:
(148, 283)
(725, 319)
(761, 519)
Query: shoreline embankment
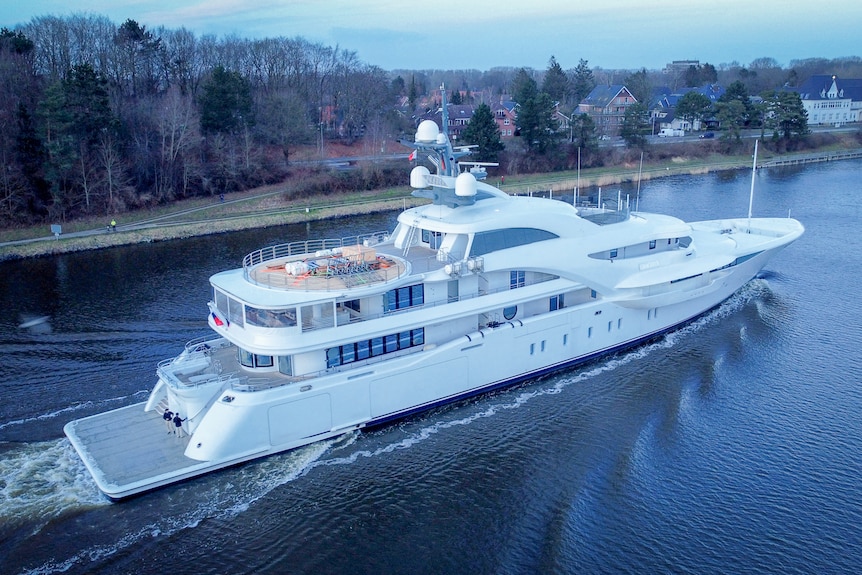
(279, 210)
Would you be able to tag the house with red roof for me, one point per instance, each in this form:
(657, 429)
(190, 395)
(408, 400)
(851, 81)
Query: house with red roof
(606, 105)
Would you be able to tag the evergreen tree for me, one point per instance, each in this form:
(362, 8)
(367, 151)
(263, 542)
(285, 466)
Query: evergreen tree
(87, 102)
(708, 74)
(700, 75)
(640, 86)
(693, 106)
(523, 87)
(739, 93)
(225, 102)
(556, 83)
(536, 124)
(15, 42)
(785, 114)
(584, 132)
(31, 156)
(731, 115)
(75, 114)
(583, 81)
(484, 133)
(413, 92)
(138, 52)
(635, 125)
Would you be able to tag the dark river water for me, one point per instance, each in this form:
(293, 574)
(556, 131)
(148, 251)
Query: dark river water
(733, 445)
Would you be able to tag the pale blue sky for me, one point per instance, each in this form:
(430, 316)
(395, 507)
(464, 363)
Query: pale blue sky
(482, 34)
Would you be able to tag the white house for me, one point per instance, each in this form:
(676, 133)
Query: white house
(831, 100)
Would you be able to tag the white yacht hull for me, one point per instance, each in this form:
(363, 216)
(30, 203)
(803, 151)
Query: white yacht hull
(254, 425)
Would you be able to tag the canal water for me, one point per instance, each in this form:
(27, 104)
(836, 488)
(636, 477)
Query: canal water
(733, 445)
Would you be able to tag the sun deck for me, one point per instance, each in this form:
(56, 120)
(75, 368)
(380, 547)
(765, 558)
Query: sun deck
(344, 268)
(329, 273)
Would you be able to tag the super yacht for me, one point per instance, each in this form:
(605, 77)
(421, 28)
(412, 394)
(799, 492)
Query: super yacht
(473, 290)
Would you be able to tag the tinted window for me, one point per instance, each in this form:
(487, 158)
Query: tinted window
(486, 242)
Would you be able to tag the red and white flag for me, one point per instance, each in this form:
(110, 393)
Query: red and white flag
(412, 156)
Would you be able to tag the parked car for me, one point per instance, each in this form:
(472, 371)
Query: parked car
(707, 135)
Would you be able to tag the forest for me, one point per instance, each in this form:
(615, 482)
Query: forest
(98, 118)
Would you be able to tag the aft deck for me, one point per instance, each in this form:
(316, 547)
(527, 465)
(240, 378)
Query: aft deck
(128, 450)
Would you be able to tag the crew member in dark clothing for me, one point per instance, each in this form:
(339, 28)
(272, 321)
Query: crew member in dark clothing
(178, 423)
(168, 416)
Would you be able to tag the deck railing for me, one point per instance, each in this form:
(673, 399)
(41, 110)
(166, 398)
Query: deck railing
(308, 247)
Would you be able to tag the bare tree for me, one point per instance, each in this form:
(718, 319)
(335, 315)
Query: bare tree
(50, 34)
(184, 60)
(112, 173)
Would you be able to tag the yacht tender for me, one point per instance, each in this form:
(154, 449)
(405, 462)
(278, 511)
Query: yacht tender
(470, 292)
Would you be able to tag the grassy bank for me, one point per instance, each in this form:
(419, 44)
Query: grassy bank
(278, 205)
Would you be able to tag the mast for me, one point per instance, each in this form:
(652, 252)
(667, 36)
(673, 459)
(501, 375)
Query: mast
(578, 186)
(751, 194)
(441, 187)
(447, 155)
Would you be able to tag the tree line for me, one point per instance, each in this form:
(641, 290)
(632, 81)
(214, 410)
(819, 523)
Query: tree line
(98, 118)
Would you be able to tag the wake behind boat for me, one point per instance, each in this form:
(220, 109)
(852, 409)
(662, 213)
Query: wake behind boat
(473, 291)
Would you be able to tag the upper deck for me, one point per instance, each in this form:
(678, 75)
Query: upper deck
(338, 264)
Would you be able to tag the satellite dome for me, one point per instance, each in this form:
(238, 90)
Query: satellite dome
(427, 131)
(465, 185)
(418, 177)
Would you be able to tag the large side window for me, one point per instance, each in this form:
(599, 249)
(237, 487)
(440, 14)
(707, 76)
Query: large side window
(364, 349)
(404, 297)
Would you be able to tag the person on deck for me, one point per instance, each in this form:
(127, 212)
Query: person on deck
(168, 416)
(178, 423)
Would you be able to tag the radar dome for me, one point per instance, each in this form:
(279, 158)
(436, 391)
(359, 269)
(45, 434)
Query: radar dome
(427, 131)
(465, 185)
(418, 177)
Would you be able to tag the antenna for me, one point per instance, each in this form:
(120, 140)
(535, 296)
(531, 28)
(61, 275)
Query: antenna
(638, 196)
(445, 109)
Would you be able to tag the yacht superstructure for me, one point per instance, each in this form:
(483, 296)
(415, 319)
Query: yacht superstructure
(472, 291)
